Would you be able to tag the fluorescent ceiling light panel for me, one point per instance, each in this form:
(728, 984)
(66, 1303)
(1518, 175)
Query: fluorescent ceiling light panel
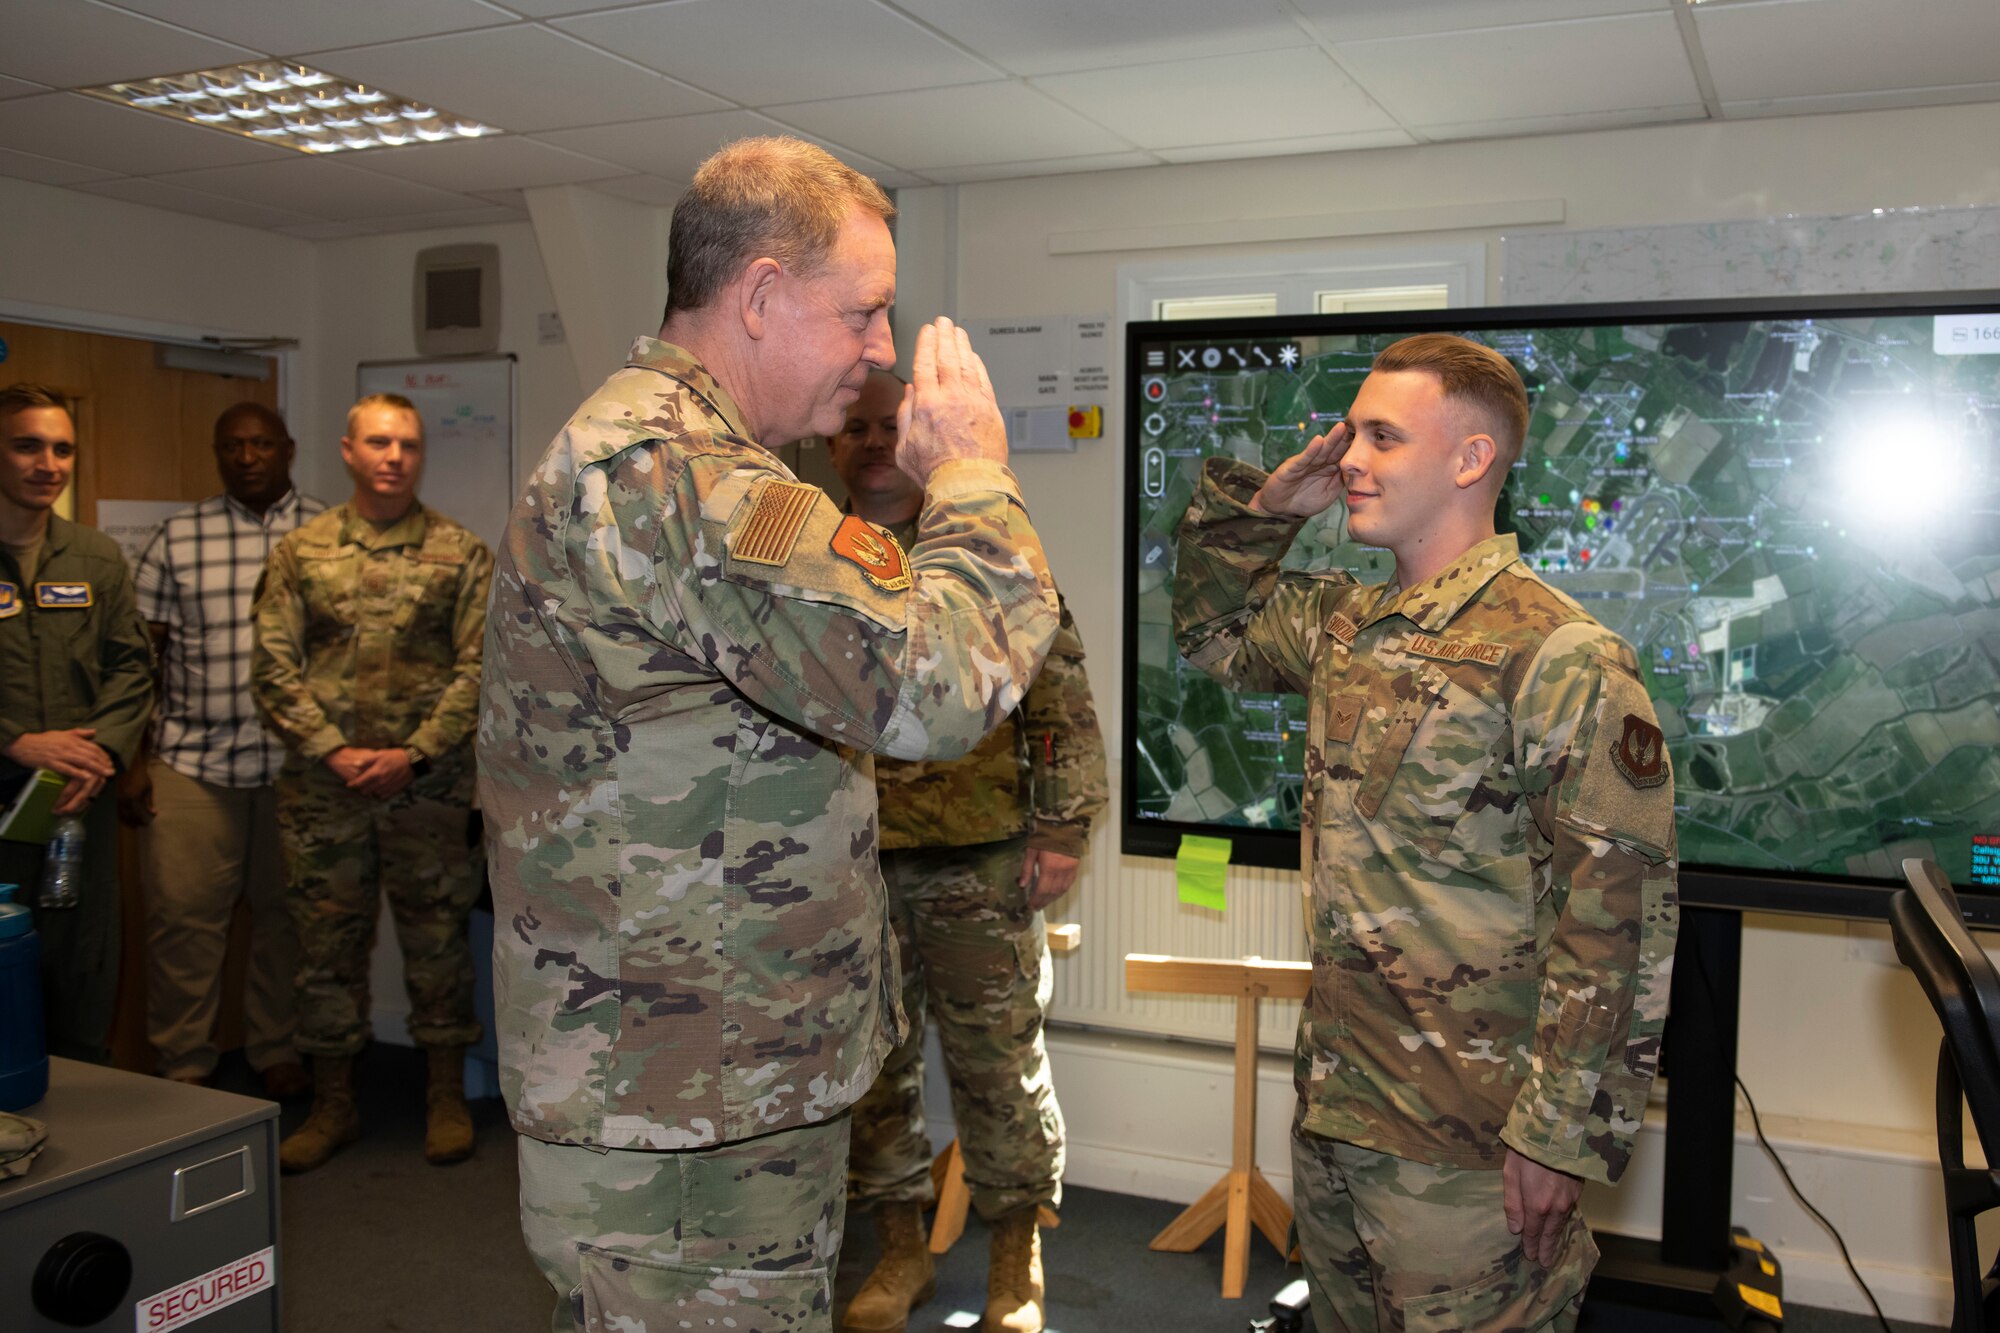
(289, 105)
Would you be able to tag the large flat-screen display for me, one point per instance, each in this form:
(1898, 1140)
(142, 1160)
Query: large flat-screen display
(1790, 509)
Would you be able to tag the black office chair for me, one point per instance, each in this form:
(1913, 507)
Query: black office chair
(1964, 988)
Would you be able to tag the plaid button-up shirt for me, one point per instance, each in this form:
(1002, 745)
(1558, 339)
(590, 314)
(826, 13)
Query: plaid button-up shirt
(197, 578)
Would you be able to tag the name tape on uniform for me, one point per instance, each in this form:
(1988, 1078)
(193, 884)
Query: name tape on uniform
(1455, 650)
(185, 1302)
(1341, 628)
(63, 596)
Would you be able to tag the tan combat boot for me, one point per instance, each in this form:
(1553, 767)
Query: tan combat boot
(903, 1279)
(333, 1122)
(1014, 1275)
(447, 1124)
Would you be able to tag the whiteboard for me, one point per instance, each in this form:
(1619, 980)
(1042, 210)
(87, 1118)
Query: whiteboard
(467, 404)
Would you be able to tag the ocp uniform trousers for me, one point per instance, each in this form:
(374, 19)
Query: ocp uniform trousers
(342, 851)
(743, 1236)
(976, 958)
(1398, 1246)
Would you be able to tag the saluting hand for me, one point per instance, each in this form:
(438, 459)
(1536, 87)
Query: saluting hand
(1309, 481)
(948, 411)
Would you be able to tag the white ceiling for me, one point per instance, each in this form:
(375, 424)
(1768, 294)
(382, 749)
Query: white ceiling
(627, 97)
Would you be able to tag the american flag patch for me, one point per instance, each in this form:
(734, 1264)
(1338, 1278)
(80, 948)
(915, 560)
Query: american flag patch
(777, 516)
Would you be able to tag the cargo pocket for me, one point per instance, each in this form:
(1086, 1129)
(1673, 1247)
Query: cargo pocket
(1519, 1294)
(623, 1293)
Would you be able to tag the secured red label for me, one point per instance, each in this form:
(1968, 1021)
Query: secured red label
(185, 1302)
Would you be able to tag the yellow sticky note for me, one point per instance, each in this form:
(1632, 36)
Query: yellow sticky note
(1201, 869)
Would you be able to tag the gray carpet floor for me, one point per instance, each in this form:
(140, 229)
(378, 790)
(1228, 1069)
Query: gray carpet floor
(378, 1239)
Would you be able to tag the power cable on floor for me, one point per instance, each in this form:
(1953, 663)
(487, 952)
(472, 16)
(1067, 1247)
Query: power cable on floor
(1757, 1126)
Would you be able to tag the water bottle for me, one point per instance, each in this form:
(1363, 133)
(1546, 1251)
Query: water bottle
(24, 1060)
(62, 866)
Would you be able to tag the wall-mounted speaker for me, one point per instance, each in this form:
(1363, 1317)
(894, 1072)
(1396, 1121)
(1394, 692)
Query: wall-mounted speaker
(458, 300)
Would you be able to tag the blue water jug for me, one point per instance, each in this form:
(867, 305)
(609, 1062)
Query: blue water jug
(24, 1058)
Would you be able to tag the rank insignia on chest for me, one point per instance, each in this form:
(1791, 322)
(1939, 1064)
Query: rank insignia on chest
(10, 600)
(875, 551)
(63, 596)
(1641, 752)
(1343, 716)
(776, 517)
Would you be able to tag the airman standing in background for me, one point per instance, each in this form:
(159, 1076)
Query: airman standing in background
(369, 628)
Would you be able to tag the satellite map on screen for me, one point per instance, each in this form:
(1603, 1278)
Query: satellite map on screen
(1794, 522)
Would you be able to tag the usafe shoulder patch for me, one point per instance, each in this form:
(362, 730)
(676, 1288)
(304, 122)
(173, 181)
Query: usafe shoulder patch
(776, 517)
(10, 600)
(1640, 752)
(1456, 650)
(1341, 628)
(63, 596)
(875, 551)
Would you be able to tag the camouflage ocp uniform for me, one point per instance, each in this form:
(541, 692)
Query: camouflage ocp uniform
(692, 657)
(1490, 899)
(954, 833)
(372, 638)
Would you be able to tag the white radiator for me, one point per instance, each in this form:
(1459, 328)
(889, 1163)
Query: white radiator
(1128, 904)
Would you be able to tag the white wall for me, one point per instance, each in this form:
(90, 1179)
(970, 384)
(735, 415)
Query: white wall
(1833, 1035)
(365, 293)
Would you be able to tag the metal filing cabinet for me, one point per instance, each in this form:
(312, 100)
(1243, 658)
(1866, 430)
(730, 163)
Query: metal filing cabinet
(180, 1181)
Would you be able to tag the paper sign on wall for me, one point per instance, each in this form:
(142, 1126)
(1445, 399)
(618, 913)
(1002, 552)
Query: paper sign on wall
(1045, 361)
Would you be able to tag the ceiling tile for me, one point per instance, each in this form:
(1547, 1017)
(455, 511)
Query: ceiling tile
(672, 147)
(1551, 69)
(547, 8)
(1058, 36)
(982, 122)
(1356, 20)
(284, 29)
(1058, 166)
(19, 88)
(514, 199)
(523, 78)
(179, 199)
(508, 162)
(47, 170)
(321, 189)
(1317, 143)
(1219, 99)
(1575, 123)
(642, 189)
(842, 48)
(76, 128)
(1885, 99)
(1808, 47)
(76, 43)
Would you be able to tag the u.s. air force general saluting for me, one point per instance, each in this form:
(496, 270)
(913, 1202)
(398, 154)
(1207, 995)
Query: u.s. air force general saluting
(691, 657)
(1488, 855)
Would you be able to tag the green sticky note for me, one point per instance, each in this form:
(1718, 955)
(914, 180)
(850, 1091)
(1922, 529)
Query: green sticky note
(1201, 869)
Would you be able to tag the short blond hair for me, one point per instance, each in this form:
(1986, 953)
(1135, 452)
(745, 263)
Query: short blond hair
(774, 196)
(395, 400)
(1472, 374)
(25, 396)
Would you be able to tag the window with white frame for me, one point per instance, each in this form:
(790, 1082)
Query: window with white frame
(1352, 281)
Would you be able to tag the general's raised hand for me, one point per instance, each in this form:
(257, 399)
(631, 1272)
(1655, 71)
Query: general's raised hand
(948, 411)
(1309, 481)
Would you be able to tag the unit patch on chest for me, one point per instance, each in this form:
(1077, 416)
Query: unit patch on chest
(63, 596)
(1455, 650)
(10, 600)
